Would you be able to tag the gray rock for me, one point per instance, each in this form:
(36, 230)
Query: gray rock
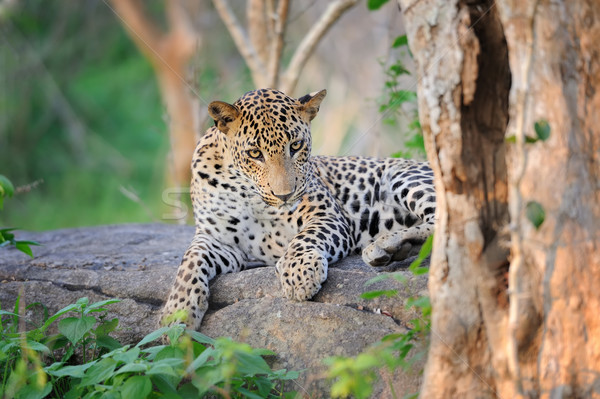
(137, 264)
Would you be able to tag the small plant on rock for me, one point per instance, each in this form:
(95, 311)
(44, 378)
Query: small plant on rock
(7, 236)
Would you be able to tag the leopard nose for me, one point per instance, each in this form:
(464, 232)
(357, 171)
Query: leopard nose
(284, 197)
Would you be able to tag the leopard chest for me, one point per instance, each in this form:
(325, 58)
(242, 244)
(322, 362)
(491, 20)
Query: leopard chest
(228, 209)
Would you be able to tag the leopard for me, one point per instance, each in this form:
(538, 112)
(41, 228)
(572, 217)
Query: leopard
(259, 195)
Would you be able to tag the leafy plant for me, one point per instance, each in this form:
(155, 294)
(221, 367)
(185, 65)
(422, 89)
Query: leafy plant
(6, 236)
(356, 375)
(34, 364)
(393, 106)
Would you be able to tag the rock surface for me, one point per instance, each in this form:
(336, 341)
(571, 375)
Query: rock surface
(137, 264)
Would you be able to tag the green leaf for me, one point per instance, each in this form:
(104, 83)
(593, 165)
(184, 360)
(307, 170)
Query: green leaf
(249, 394)
(376, 294)
(530, 140)
(400, 154)
(400, 41)
(415, 266)
(104, 341)
(416, 142)
(24, 247)
(397, 70)
(542, 129)
(106, 327)
(57, 370)
(199, 337)
(37, 346)
(138, 386)
(133, 368)
(6, 313)
(162, 369)
(83, 301)
(98, 372)
(252, 364)
(375, 4)
(64, 310)
(6, 237)
(151, 351)
(165, 385)
(200, 360)
(6, 189)
(128, 356)
(154, 335)
(74, 328)
(264, 386)
(99, 305)
(403, 96)
(419, 302)
(365, 361)
(32, 391)
(535, 213)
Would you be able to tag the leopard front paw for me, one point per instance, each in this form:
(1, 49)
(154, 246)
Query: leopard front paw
(301, 274)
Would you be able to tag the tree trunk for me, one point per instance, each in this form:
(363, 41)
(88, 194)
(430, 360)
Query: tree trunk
(512, 203)
(169, 52)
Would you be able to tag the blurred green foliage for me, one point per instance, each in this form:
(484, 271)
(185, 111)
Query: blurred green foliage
(80, 110)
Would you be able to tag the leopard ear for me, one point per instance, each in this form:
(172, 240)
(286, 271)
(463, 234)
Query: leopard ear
(223, 114)
(310, 104)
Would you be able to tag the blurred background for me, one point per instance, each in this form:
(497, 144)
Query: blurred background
(87, 113)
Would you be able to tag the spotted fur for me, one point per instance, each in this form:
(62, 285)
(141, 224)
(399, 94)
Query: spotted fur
(258, 194)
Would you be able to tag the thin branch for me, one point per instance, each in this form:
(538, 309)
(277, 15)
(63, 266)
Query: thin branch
(277, 43)
(270, 12)
(257, 28)
(241, 41)
(307, 46)
(141, 30)
(181, 41)
(182, 37)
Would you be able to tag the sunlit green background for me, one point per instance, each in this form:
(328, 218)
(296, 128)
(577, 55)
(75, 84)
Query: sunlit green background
(81, 118)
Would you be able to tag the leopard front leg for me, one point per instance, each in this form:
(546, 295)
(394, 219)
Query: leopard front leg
(303, 267)
(204, 259)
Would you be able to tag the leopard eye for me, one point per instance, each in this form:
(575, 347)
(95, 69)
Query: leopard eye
(255, 153)
(296, 145)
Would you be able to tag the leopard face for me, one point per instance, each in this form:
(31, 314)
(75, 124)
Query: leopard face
(269, 141)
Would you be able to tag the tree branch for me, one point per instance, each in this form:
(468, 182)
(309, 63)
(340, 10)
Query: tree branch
(241, 41)
(257, 28)
(141, 30)
(277, 43)
(307, 46)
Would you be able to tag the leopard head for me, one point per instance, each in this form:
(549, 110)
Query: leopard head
(268, 139)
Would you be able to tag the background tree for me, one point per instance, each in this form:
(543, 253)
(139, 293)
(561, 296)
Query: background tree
(513, 137)
(169, 53)
(261, 43)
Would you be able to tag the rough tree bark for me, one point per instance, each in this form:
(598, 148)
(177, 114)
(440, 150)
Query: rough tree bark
(261, 42)
(488, 71)
(169, 52)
